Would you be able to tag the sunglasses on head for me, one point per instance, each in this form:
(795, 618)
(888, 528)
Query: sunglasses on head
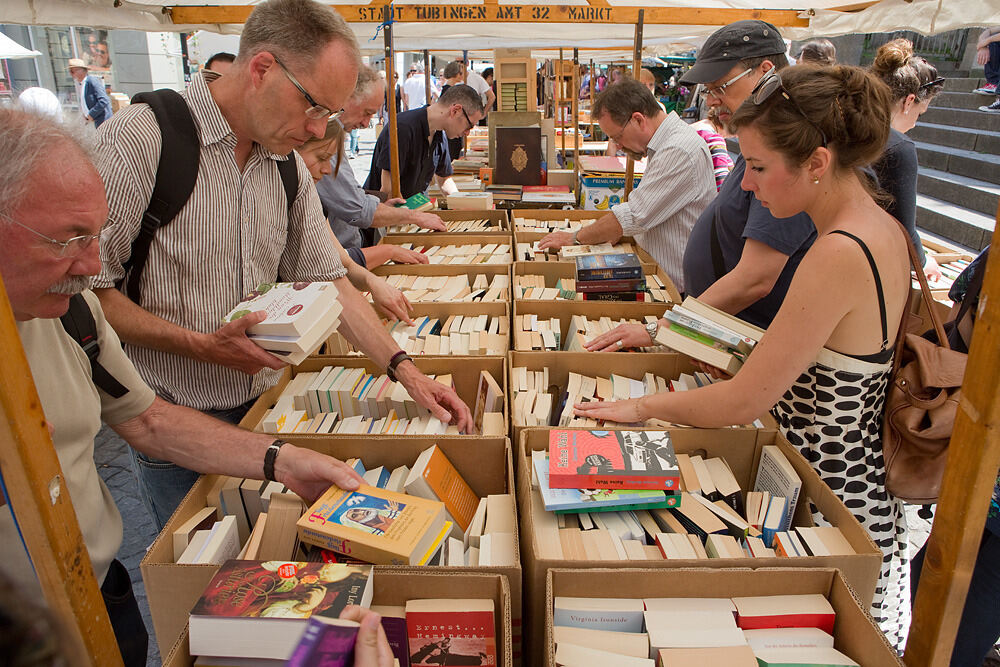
(771, 83)
(930, 84)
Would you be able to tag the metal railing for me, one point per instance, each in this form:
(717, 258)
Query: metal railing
(946, 47)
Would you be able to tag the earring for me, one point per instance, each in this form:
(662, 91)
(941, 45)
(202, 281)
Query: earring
(815, 180)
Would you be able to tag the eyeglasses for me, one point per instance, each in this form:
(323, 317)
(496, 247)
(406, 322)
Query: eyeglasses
(74, 247)
(930, 84)
(617, 138)
(467, 119)
(766, 87)
(316, 111)
(719, 91)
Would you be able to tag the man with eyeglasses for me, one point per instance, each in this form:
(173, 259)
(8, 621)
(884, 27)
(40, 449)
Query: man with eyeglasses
(423, 147)
(297, 64)
(52, 210)
(677, 184)
(739, 258)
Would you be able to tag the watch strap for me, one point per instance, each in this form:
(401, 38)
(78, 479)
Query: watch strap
(394, 363)
(270, 456)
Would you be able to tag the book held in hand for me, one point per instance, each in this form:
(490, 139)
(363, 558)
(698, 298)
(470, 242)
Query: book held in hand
(326, 642)
(612, 460)
(417, 202)
(258, 609)
(374, 525)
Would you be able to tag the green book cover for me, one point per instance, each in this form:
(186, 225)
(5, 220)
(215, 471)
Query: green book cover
(418, 202)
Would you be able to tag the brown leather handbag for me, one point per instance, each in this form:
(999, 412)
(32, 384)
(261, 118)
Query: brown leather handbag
(922, 399)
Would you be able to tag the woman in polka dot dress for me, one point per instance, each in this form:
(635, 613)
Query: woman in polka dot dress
(823, 364)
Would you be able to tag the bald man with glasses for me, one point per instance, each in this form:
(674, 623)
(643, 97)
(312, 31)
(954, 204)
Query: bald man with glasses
(298, 63)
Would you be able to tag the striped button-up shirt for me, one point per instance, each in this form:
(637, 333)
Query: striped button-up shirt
(676, 186)
(235, 232)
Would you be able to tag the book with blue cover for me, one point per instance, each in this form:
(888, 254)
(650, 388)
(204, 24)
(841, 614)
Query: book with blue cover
(619, 266)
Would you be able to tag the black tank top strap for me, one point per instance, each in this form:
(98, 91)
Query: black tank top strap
(877, 357)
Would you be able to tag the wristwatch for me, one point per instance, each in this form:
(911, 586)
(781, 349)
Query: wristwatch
(396, 360)
(651, 329)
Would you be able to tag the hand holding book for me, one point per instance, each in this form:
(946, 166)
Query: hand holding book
(229, 346)
(441, 401)
(371, 648)
(309, 474)
(556, 240)
(390, 301)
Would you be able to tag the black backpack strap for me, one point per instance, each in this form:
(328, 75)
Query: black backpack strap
(79, 323)
(289, 172)
(176, 174)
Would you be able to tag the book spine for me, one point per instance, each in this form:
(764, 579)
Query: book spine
(701, 338)
(324, 645)
(714, 333)
(617, 273)
(354, 548)
(610, 286)
(614, 296)
(559, 480)
(671, 501)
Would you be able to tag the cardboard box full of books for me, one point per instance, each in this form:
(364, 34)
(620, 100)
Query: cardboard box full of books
(395, 586)
(854, 633)
(465, 378)
(488, 270)
(741, 449)
(563, 311)
(451, 241)
(484, 463)
(338, 346)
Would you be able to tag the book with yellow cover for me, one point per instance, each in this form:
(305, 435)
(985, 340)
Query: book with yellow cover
(374, 525)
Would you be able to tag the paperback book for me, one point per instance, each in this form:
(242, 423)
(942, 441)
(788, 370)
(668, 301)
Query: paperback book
(612, 460)
(451, 632)
(594, 499)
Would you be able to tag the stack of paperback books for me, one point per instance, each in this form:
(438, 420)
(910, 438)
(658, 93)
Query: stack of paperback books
(300, 316)
(615, 277)
(709, 335)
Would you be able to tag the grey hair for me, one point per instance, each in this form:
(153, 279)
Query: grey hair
(296, 31)
(28, 139)
(368, 79)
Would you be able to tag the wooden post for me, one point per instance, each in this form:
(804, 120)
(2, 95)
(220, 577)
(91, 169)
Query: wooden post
(636, 64)
(973, 459)
(559, 105)
(593, 91)
(390, 68)
(41, 503)
(574, 91)
(427, 76)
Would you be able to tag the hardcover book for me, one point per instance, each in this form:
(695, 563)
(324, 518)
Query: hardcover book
(612, 460)
(374, 525)
(617, 266)
(451, 632)
(518, 156)
(258, 609)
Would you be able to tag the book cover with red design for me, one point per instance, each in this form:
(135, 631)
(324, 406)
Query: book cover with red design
(612, 460)
(451, 632)
(259, 608)
(785, 611)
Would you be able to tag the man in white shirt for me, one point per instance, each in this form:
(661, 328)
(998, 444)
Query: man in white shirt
(415, 88)
(479, 84)
(677, 185)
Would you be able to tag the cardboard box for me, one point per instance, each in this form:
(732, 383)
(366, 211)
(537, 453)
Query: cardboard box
(592, 310)
(649, 264)
(337, 346)
(544, 214)
(741, 449)
(465, 377)
(600, 193)
(394, 586)
(450, 240)
(470, 201)
(472, 270)
(554, 271)
(485, 464)
(854, 634)
(668, 365)
(498, 219)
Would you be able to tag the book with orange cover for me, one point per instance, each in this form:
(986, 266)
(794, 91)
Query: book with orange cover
(434, 477)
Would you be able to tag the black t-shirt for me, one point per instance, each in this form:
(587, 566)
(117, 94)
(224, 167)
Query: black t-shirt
(419, 160)
(739, 216)
(896, 171)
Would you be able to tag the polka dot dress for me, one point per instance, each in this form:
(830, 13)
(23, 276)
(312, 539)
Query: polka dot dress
(833, 415)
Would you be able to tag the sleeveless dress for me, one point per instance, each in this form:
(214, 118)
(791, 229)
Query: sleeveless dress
(833, 414)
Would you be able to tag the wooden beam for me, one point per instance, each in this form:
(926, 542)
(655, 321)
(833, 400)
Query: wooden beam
(575, 92)
(41, 503)
(490, 13)
(390, 82)
(560, 106)
(636, 65)
(973, 459)
(427, 76)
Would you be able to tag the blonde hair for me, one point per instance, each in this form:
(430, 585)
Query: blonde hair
(334, 133)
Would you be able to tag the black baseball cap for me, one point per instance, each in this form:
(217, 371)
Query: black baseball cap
(730, 44)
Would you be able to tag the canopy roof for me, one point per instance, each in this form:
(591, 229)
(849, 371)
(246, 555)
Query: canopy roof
(11, 50)
(475, 26)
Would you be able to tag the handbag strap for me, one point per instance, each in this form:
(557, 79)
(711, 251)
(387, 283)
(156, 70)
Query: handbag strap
(925, 295)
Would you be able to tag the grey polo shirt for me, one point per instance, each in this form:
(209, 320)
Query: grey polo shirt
(349, 208)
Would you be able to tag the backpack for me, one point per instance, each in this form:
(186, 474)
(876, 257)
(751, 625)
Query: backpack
(175, 178)
(79, 323)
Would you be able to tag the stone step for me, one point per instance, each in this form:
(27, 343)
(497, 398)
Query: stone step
(982, 141)
(959, 161)
(956, 223)
(970, 193)
(954, 100)
(961, 84)
(974, 120)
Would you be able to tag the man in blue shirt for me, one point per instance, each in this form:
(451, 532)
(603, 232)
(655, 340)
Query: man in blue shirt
(95, 104)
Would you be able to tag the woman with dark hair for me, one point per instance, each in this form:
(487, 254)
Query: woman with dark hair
(818, 52)
(913, 83)
(823, 366)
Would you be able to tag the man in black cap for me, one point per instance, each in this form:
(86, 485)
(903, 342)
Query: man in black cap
(739, 258)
